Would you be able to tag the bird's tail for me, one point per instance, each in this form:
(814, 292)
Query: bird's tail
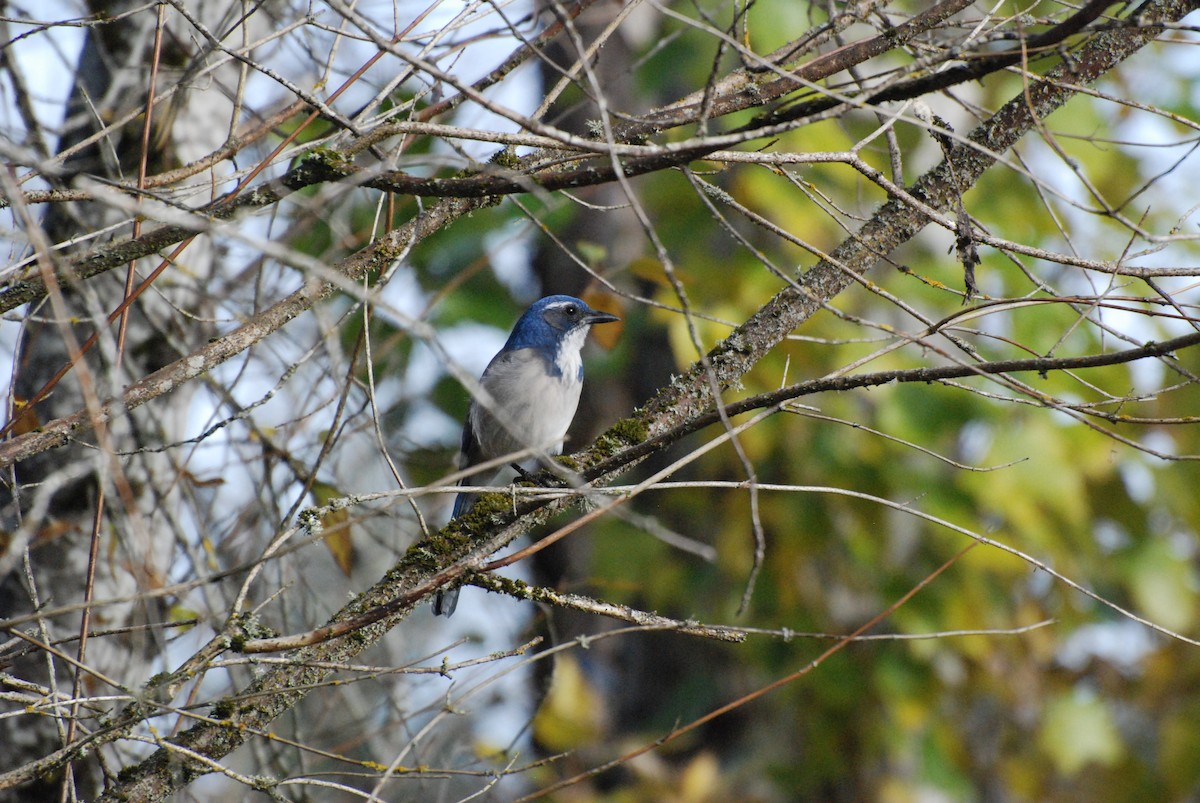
(444, 602)
(463, 502)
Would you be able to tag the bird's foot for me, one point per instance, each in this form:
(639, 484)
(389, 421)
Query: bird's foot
(527, 476)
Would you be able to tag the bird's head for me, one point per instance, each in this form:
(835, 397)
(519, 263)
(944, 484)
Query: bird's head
(552, 319)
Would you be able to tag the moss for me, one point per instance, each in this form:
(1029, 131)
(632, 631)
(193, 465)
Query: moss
(223, 710)
(631, 430)
(329, 157)
(486, 508)
(507, 585)
(158, 680)
(432, 553)
(621, 435)
(319, 164)
(507, 158)
(421, 557)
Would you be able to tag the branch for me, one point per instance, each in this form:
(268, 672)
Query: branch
(766, 80)
(976, 68)
(1041, 365)
(500, 585)
(350, 270)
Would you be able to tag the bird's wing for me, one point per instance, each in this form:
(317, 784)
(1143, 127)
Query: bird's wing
(494, 378)
(469, 452)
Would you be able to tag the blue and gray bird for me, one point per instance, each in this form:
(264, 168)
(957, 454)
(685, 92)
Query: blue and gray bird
(534, 384)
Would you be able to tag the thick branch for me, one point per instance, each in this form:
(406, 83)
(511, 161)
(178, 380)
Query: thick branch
(940, 373)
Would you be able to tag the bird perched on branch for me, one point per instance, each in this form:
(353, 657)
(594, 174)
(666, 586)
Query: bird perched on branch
(532, 388)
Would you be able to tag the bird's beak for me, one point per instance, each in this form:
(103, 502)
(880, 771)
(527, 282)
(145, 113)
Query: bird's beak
(595, 316)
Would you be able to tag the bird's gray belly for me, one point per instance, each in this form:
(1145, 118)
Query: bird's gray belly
(539, 409)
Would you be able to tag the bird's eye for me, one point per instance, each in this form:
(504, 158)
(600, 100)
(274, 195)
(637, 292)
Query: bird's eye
(571, 310)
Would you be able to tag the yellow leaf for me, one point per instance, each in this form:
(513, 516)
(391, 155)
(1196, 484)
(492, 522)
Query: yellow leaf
(649, 270)
(700, 779)
(607, 334)
(1164, 585)
(24, 418)
(571, 715)
(336, 524)
(593, 254)
(178, 613)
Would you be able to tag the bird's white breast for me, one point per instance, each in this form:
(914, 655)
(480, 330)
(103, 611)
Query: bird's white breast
(568, 359)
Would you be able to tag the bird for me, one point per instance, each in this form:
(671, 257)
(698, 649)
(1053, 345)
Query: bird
(533, 383)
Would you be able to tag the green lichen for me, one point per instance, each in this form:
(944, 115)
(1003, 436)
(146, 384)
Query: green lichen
(309, 520)
(507, 585)
(263, 783)
(736, 343)
(247, 627)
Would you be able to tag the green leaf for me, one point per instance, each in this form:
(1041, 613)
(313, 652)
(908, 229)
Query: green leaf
(1164, 585)
(1078, 730)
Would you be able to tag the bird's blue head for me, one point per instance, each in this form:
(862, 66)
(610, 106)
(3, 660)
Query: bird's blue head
(549, 320)
(556, 326)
